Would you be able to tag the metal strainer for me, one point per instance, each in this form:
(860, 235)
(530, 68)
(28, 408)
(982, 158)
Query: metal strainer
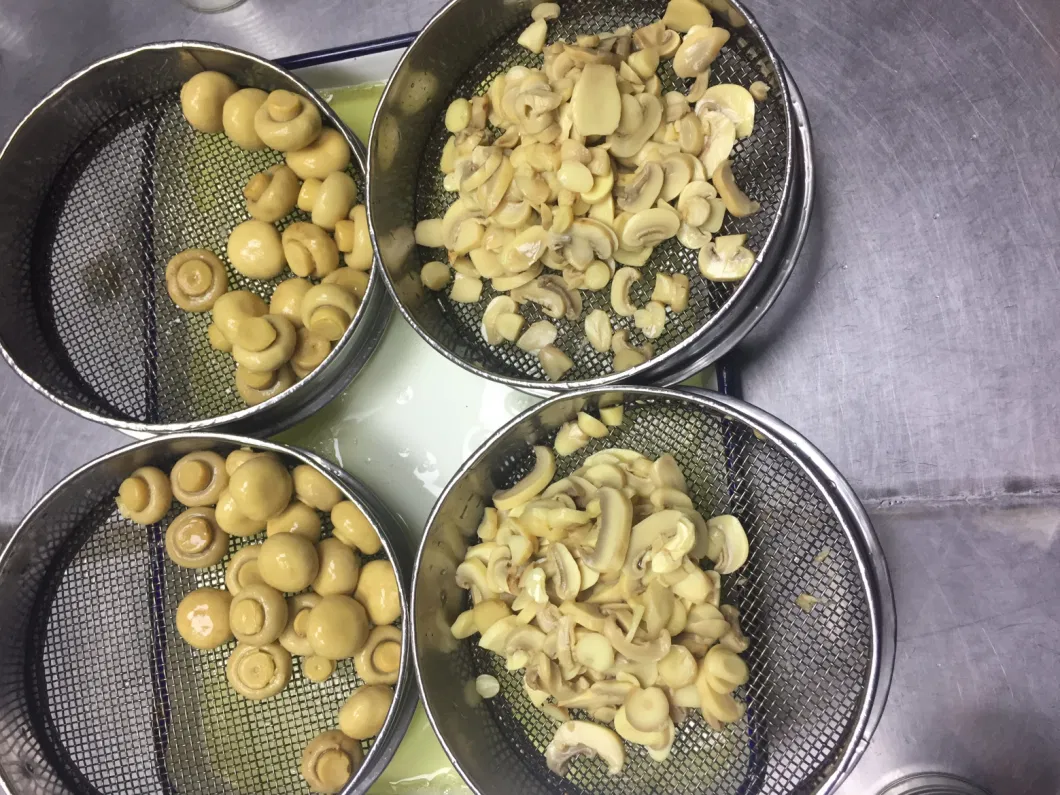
(818, 679)
(99, 694)
(458, 54)
(100, 185)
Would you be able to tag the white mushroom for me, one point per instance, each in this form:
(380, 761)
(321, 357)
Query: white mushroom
(734, 101)
(725, 259)
(650, 227)
(726, 543)
(697, 52)
(598, 330)
(537, 336)
(582, 738)
(736, 201)
(620, 291)
(500, 305)
(651, 319)
(532, 484)
(682, 15)
(554, 362)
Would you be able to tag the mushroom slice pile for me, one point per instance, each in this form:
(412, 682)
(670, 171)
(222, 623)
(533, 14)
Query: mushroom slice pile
(596, 585)
(563, 172)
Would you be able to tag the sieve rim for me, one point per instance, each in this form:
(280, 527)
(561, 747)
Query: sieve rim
(645, 372)
(346, 358)
(833, 487)
(392, 533)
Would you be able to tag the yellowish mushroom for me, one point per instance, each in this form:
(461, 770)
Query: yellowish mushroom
(364, 713)
(378, 663)
(328, 310)
(255, 250)
(242, 569)
(261, 487)
(309, 250)
(264, 344)
(314, 488)
(297, 518)
(232, 308)
(354, 239)
(233, 521)
(352, 528)
(293, 638)
(202, 618)
(287, 121)
(237, 117)
(287, 562)
(338, 570)
(258, 614)
(257, 387)
(337, 627)
(329, 761)
(272, 194)
(259, 672)
(328, 153)
(310, 351)
(202, 100)
(199, 478)
(377, 590)
(195, 279)
(145, 496)
(194, 541)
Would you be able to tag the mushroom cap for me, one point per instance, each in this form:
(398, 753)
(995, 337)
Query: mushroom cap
(379, 662)
(199, 478)
(202, 618)
(194, 540)
(145, 496)
(297, 518)
(314, 488)
(237, 117)
(261, 487)
(337, 627)
(352, 528)
(258, 672)
(329, 152)
(288, 562)
(577, 738)
(258, 614)
(364, 713)
(329, 761)
(242, 569)
(255, 250)
(202, 100)
(232, 307)
(293, 638)
(338, 570)
(232, 520)
(377, 590)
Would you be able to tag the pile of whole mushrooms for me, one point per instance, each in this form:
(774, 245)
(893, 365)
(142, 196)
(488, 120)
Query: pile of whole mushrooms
(277, 343)
(592, 585)
(569, 175)
(293, 594)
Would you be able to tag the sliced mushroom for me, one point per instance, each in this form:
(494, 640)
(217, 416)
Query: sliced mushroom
(500, 305)
(672, 290)
(725, 259)
(651, 319)
(627, 144)
(582, 738)
(532, 484)
(650, 227)
(734, 101)
(726, 543)
(659, 37)
(683, 15)
(719, 139)
(615, 525)
(697, 52)
(640, 190)
(554, 362)
(718, 708)
(537, 336)
(620, 291)
(652, 651)
(563, 571)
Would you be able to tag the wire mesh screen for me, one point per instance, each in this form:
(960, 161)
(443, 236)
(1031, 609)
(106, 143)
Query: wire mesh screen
(759, 165)
(808, 670)
(100, 694)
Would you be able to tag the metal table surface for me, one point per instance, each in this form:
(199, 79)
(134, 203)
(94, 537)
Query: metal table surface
(912, 345)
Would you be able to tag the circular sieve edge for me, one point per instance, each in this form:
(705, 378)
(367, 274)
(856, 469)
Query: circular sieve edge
(642, 372)
(345, 359)
(838, 494)
(391, 533)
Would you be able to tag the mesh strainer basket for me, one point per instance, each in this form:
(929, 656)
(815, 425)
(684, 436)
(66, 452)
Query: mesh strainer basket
(99, 694)
(458, 54)
(818, 679)
(100, 185)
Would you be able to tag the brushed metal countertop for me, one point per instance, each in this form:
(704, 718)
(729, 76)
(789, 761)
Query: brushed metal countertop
(916, 344)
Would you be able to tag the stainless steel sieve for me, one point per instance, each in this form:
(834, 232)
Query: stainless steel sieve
(100, 185)
(458, 53)
(818, 679)
(100, 695)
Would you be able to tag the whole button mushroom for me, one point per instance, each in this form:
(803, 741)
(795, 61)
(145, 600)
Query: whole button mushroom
(337, 627)
(241, 456)
(237, 117)
(195, 279)
(202, 100)
(145, 496)
(288, 562)
(294, 638)
(257, 387)
(297, 518)
(199, 478)
(338, 570)
(232, 520)
(194, 540)
(258, 614)
(349, 279)
(264, 344)
(255, 250)
(314, 488)
(328, 310)
(242, 570)
(326, 154)
(309, 352)
(377, 590)
(232, 308)
(272, 194)
(258, 672)
(202, 618)
(287, 298)
(329, 761)
(352, 528)
(287, 121)
(328, 201)
(364, 713)
(309, 250)
(380, 659)
(261, 487)
(354, 240)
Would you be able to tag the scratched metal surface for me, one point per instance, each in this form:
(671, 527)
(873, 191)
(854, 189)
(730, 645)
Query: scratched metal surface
(916, 344)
